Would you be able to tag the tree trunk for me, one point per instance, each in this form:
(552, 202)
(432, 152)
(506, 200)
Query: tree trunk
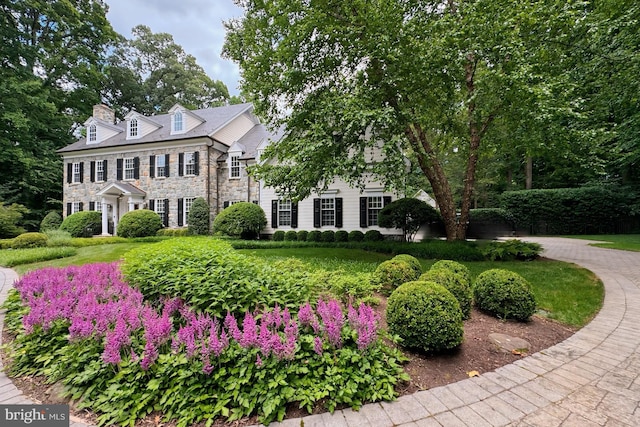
(529, 173)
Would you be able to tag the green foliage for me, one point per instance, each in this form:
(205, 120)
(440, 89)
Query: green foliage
(349, 287)
(51, 221)
(10, 217)
(14, 257)
(328, 236)
(58, 238)
(278, 236)
(139, 223)
(314, 236)
(198, 218)
(211, 276)
(455, 283)
(302, 235)
(373, 236)
(5, 243)
(511, 250)
(490, 223)
(426, 316)
(291, 236)
(341, 236)
(29, 240)
(244, 220)
(504, 294)
(173, 232)
(411, 260)
(391, 274)
(82, 224)
(356, 236)
(407, 214)
(454, 266)
(83, 242)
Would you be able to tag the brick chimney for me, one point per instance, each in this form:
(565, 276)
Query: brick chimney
(104, 113)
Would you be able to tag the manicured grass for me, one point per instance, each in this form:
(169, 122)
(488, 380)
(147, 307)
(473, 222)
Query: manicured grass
(14, 257)
(625, 242)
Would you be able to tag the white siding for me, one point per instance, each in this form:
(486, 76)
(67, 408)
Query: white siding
(234, 130)
(190, 122)
(102, 133)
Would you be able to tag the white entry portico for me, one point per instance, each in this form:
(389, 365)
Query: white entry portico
(117, 199)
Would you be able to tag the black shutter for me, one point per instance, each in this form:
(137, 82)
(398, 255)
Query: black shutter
(68, 209)
(152, 205)
(69, 173)
(196, 161)
(363, 212)
(136, 168)
(338, 222)
(152, 166)
(180, 164)
(386, 200)
(104, 169)
(225, 205)
(166, 213)
(81, 208)
(92, 206)
(316, 213)
(274, 214)
(294, 215)
(119, 169)
(93, 173)
(180, 213)
(81, 172)
(166, 165)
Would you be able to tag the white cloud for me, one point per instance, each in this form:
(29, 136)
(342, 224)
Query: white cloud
(196, 25)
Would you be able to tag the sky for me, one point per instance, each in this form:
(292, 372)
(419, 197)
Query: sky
(196, 25)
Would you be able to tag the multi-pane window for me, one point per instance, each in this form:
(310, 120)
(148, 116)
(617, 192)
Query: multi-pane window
(98, 206)
(234, 170)
(133, 127)
(93, 133)
(189, 164)
(284, 213)
(76, 207)
(160, 210)
(178, 121)
(327, 212)
(187, 208)
(77, 172)
(100, 171)
(374, 204)
(161, 167)
(129, 168)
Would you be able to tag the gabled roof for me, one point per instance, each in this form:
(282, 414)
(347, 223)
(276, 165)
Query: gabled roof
(120, 187)
(258, 136)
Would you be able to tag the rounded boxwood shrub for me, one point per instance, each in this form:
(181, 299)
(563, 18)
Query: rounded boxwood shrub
(173, 232)
(29, 240)
(83, 224)
(278, 236)
(454, 283)
(291, 235)
(302, 235)
(51, 221)
(411, 260)
(241, 220)
(314, 236)
(356, 236)
(392, 273)
(198, 218)
(139, 223)
(504, 294)
(372, 236)
(328, 236)
(426, 316)
(341, 236)
(454, 266)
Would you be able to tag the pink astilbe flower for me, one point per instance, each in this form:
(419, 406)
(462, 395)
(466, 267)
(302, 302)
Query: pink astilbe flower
(249, 337)
(307, 317)
(258, 361)
(332, 319)
(317, 345)
(364, 321)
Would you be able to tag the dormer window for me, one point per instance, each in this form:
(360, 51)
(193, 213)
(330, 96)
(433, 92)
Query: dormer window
(93, 133)
(234, 166)
(133, 128)
(178, 122)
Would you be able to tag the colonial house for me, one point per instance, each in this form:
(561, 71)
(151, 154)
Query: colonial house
(164, 162)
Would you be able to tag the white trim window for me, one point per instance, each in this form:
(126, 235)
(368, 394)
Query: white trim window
(327, 212)
(188, 202)
(374, 205)
(97, 206)
(93, 133)
(133, 128)
(234, 166)
(284, 213)
(178, 122)
(76, 207)
(161, 166)
(159, 208)
(129, 168)
(77, 173)
(189, 163)
(100, 171)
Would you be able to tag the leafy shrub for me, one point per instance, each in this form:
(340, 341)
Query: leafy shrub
(349, 288)
(455, 283)
(244, 220)
(173, 232)
(356, 236)
(411, 260)
(58, 238)
(454, 266)
(341, 236)
(426, 316)
(302, 235)
(83, 224)
(391, 274)
(198, 218)
(29, 240)
(29, 256)
(372, 236)
(83, 242)
(504, 294)
(510, 250)
(139, 223)
(51, 221)
(10, 219)
(407, 214)
(5, 243)
(210, 276)
(314, 236)
(291, 236)
(278, 236)
(328, 236)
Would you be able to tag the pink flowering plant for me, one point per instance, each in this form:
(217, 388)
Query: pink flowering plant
(124, 358)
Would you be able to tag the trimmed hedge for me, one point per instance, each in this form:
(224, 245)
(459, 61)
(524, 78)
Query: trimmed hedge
(455, 283)
(314, 236)
(454, 266)
(278, 236)
(29, 240)
(139, 223)
(302, 235)
(291, 236)
(373, 236)
(244, 220)
(411, 260)
(83, 224)
(505, 294)
(51, 221)
(341, 236)
(392, 273)
(356, 236)
(199, 217)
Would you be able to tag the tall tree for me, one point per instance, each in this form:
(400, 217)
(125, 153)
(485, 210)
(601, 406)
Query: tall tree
(150, 73)
(399, 75)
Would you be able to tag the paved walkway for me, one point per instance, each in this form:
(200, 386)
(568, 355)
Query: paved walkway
(591, 379)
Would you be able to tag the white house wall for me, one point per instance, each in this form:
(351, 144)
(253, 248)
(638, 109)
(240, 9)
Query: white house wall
(235, 130)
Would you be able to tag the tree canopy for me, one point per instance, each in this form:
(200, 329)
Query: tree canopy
(419, 80)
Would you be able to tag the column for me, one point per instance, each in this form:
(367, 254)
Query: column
(105, 217)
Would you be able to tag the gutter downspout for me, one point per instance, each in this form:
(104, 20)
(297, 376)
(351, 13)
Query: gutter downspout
(246, 164)
(209, 144)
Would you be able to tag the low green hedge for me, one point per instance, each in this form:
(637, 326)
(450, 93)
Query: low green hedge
(504, 294)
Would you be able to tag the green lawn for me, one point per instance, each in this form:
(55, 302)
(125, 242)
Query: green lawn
(625, 242)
